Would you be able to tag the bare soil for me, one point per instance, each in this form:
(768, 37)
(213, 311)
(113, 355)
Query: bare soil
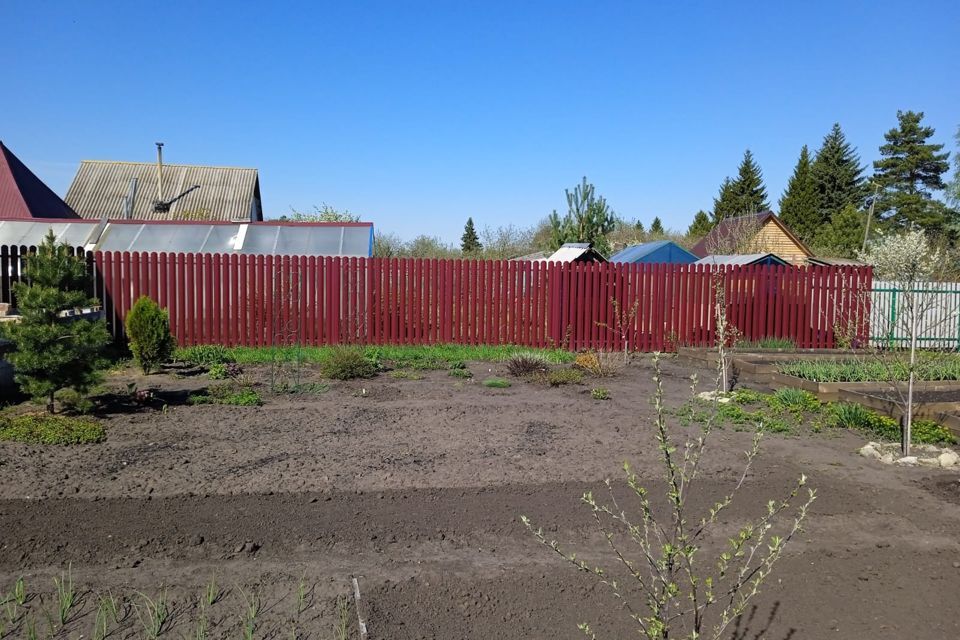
(415, 488)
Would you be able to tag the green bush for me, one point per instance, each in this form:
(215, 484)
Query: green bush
(465, 374)
(72, 401)
(348, 363)
(203, 355)
(148, 333)
(925, 431)
(34, 428)
(496, 383)
(599, 394)
(748, 396)
(218, 371)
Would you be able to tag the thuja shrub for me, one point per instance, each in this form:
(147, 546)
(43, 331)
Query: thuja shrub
(148, 334)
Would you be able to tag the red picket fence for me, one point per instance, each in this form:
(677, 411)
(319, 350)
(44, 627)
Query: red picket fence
(269, 300)
(276, 300)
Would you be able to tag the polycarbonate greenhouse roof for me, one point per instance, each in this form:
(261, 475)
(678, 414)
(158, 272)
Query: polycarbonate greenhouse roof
(261, 238)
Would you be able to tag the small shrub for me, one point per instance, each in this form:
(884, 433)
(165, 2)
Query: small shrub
(203, 355)
(924, 431)
(464, 374)
(599, 364)
(36, 428)
(559, 377)
(348, 363)
(148, 332)
(589, 361)
(793, 400)
(748, 396)
(72, 401)
(849, 415)
(217, 371)
(496, 383)
(526, 364)
(599, 394)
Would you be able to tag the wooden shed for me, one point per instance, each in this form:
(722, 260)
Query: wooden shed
(753, 234)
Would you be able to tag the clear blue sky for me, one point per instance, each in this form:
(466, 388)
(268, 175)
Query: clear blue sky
(419, 114)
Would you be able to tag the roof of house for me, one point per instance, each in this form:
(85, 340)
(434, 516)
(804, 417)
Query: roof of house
(637, 252)
(729, 227)
(24, 195)
(741, 259)
(343, 239)
(835, 262)
(576, 251)
(225, 194)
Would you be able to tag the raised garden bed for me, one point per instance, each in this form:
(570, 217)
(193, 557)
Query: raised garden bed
(942, 405)
(708, 355)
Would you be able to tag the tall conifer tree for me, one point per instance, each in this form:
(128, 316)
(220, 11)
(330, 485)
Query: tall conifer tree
(656, 227)
(838, 176)
(799, 204)
(470, 241)
(744, 195)
(700, 226)
(909, 171)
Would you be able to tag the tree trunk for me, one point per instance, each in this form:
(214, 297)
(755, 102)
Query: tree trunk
(50, 405)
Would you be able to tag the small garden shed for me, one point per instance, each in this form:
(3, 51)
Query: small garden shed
(744, 259)
(659, 251)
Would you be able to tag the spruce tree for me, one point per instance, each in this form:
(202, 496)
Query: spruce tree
(799, 205)
(700, 226)
(588, 219)
(742, 196)
(726, 203)
(638, 226)
(470, 241)
(909, 171)
(842, 237)
(54, 350)
(751, 194)
(656, 228)
(838, 176)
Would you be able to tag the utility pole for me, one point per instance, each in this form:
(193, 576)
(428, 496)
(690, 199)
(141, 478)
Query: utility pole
(866, 230)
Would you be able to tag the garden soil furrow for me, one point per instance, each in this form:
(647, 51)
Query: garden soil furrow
(415, 487)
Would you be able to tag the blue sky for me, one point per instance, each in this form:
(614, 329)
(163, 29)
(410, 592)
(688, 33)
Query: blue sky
(419, 114)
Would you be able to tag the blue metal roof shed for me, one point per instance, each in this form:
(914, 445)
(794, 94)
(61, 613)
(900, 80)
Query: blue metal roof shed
(660, 251)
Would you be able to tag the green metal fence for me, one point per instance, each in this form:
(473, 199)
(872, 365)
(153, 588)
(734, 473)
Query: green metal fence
(937, 307)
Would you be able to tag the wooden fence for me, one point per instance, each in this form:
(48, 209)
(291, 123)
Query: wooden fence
(268, 300)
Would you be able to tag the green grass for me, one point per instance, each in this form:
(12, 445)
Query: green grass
(766, 343)
(496, 383)
(850, 415)
(440, 356)
(928, 368)
(44, 428)
(599, 394)
(229, 393)
(463, 374)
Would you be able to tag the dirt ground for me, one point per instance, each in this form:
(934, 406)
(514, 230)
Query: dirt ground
(416, 487)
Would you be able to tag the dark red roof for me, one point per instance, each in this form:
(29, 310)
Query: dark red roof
(23, 195)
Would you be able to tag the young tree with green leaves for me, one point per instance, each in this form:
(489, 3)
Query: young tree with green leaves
(470, 241)
(588, 219)
(838, 175)
(148, 334)
(799, 205)
(656, 228)
(55, 349)
(700, 226)
(909, 171)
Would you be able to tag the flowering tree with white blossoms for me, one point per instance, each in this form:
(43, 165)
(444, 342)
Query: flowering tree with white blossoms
(906, 261)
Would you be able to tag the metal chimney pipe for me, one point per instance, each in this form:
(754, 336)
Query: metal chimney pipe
(159, 172)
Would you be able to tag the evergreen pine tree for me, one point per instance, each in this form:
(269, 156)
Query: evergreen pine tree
(700, 226)
(656, 228)
(838, 176)
(470, 241)
(53, 351)
(842, 237)
(799, 205)
(909, 170)
(638, 226)
(588, 219)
